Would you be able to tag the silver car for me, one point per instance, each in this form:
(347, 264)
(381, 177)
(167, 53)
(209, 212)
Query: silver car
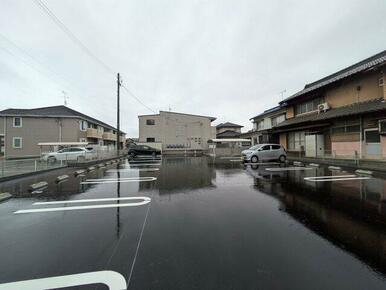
(264, 152)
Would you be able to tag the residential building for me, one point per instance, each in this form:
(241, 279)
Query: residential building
(262, 126)
(176, 131)
(228, 130)
(342, 114)
(22, 129)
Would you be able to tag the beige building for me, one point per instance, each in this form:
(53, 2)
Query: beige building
(343, 114)
(22, 129)
(176, 131)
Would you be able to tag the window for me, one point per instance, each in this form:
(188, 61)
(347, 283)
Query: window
(308, 106)
(150, 122)
(277, 120)
(296, 140)
(75, 150)
(265, 148)
(17, 122)
(372, 136)
(276, 147)
(381, 82)
(150, 139)
(346, 127)
(17, 142)
(260, 125)
(83, 125)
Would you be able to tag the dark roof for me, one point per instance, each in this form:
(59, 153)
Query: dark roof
(54, 111)
(227, 134)
(349, 110)
(267, 112)
(211, 118)
(228, 125)
(368, 63)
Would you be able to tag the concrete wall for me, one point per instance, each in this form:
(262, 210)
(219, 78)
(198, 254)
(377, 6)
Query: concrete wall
(148, 131)
(188, 131)
(345, 148)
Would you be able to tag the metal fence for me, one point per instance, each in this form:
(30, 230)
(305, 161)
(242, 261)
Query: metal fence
(20, 166)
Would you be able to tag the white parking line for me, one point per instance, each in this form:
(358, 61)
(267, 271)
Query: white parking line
(289, 168)
(122, 180)
(133, 170)
(144, 164)
(144, 198)
(329, 176)
(336, 179)
(262, 163)
(113, 280)
(88, 200)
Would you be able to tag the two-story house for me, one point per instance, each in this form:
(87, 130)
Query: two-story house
(228, 130)
(342, 114)
(263, 124)
(22, 129)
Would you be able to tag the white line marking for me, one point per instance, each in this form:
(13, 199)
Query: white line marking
(262, 163)
(144, 164)
(328, 176)
(337, 179)
(289, 168)
(235, 160)
(111, 279)
(144, 198)
(134, 170)
(88, 200)
(122, 180)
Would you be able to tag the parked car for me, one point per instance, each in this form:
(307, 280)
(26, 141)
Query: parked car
(264, 152)
(135, 150)
(71, 153)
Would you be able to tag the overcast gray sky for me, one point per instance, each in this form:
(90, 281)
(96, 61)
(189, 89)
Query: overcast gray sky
(227, 59)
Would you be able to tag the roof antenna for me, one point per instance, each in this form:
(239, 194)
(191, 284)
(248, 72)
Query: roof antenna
(282, 94)
(65, 98)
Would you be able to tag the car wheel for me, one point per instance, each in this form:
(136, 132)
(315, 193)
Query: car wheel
(254, 159)
(282, 158)
(51, 159)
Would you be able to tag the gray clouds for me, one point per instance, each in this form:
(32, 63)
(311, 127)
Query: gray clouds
(228, 59)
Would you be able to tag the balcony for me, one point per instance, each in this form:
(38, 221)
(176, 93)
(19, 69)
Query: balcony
(94, 133)
(109, 136)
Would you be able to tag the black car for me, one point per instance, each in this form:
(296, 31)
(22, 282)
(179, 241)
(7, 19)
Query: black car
(135, 150)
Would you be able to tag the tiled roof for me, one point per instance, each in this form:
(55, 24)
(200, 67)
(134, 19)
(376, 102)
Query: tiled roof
(267, 112)
(228, 125)
(227, 134)
(349, 110)
(378, 59)
(54, 111)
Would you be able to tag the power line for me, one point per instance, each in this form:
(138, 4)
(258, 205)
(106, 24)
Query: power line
(26, 53)
(136, 98)
(72, 36)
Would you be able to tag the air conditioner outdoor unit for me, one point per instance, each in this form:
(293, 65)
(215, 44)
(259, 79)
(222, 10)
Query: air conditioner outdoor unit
(382, 127)
(323, 107)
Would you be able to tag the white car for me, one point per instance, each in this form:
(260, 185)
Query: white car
(71, 153)
(264, 152)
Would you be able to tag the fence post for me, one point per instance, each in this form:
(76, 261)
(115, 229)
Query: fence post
(36, 165)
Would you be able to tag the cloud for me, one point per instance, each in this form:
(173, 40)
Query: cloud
(227, 59)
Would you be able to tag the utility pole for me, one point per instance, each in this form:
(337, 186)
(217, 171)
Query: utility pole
(118, 129)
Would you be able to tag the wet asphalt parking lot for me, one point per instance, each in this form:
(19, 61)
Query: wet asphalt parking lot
(191, 223)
